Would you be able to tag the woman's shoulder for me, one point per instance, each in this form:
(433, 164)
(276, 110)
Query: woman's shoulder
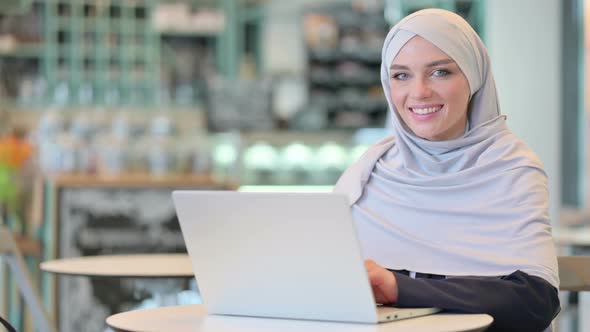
(387, 141)
(351, 180)
(511, 149)
(377, 149)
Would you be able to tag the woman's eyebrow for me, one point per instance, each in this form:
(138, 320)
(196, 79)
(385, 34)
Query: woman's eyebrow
(440, 62)
(431, 64)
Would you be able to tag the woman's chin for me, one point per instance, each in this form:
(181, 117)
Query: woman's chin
(428, 134)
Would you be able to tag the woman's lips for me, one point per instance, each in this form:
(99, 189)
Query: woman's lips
(425, 109)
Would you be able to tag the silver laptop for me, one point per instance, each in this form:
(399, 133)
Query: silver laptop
(282, 255)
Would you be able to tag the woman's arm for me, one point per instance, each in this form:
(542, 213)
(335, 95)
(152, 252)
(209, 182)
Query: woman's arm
(518, 302)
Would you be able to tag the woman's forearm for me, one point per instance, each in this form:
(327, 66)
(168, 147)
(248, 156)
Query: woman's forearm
(518, 302)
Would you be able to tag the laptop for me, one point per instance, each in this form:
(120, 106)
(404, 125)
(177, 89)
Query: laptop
(281, 255)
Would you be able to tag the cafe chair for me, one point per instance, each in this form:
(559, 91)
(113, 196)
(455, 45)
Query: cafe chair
(574, 273)
(7, 326)
(11, 254)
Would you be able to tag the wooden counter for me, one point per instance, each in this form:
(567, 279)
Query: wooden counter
(136, 180)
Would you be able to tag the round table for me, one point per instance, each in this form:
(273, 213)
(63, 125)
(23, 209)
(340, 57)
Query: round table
(157, 275)
(194, 318)
(121, 266)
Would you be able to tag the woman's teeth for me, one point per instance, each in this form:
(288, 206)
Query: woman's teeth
(427, 110)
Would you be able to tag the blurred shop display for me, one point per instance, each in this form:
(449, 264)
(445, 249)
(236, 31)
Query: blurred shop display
(240, 104)
(303, 159)
(113, 144)
(470, 10)
(295, 163)
(344, 43)
(153, 54)
(92, 53)
(186, 65)
(289, 100)
(122, 142)
(110, 53)
(20, 39)
(178, 18)
(17, 175)
(14, 6)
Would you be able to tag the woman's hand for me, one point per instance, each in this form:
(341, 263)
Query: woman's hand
(383, 283)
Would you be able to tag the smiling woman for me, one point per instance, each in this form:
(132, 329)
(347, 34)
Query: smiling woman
(451, 211)
(429, 91)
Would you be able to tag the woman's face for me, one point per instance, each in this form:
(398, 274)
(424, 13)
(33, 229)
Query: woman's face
(429, 91)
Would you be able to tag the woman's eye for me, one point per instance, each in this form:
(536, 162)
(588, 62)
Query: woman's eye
(400, 76)
(441, 72)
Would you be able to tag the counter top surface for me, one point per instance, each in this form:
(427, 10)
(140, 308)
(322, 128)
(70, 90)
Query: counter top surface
(137, 180)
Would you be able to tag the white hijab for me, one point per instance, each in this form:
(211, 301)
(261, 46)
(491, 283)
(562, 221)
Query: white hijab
(474, 205)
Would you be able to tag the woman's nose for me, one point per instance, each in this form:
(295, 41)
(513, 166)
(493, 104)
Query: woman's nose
(421, 89)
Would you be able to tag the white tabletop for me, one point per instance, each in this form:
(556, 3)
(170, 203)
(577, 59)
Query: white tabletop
(137, 266)
(193, 318)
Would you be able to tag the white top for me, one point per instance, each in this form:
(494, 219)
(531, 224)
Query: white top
(142, 266)
(192, 318)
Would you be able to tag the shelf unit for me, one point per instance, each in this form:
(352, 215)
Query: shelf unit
(110, 54)
(14, 6)
(103, 53)
(343, 65)
(87, 53)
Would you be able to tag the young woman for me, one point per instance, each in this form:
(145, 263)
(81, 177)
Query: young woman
(452, 209)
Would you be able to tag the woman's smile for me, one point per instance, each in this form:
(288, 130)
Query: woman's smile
(425, 109)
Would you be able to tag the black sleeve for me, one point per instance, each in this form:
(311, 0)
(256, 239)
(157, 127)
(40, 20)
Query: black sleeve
(517, 302)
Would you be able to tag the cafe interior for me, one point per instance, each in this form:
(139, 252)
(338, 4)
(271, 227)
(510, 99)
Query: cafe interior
(107, 106)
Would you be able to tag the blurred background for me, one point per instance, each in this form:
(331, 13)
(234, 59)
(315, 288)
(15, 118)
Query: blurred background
(108, 105)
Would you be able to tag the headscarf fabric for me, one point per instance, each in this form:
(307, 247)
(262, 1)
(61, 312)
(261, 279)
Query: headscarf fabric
(474, 205)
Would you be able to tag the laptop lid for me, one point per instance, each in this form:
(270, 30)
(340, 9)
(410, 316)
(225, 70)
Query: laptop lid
(286, 255)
